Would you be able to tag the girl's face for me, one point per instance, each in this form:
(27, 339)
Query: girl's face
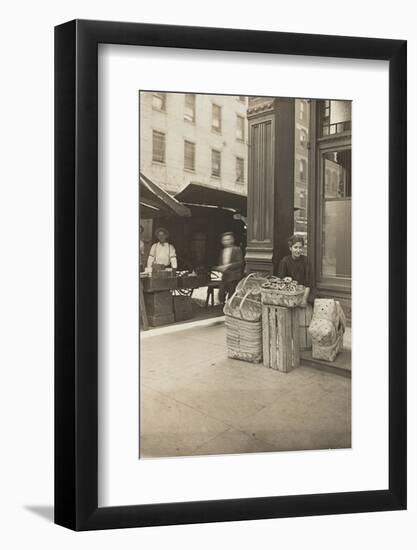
(296, 250)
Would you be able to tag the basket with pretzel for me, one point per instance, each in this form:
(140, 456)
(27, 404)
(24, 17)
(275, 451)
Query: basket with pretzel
(282, 292)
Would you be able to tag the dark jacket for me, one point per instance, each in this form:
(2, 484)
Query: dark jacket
(298, 269)
(235, 271)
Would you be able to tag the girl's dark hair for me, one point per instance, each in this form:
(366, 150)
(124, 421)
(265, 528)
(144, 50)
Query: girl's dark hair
(295, 239)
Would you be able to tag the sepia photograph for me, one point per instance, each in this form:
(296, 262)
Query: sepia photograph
(245, 274)
(213, 287)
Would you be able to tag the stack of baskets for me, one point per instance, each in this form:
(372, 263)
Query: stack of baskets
(243, 311)
(244, 320)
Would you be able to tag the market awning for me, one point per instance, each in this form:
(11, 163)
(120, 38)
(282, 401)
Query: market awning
(156, 202)
(204, 195)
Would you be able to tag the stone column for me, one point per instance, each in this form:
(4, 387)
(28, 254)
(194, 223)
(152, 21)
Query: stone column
(270, 181)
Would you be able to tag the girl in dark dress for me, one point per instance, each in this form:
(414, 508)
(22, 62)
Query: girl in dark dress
(296, 265)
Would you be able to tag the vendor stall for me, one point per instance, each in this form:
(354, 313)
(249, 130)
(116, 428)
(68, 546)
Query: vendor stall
(195, 220)
(199, 194)
(156, 300)
(167, 294)
(213, 212)
(156, 202)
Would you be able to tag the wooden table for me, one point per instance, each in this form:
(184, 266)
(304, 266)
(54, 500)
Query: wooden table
(156, 310)
(142, 306)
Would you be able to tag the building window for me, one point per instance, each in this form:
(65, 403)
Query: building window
(216, 118)
(189, 155)
(303, 170)
(242, 98)
(159, 102)
(158, 146)
(240, 128)
(303, 139)
(189, 108)
(336, 214)
(216, 163)
(337, 174)
(335, 117)
(240, 170)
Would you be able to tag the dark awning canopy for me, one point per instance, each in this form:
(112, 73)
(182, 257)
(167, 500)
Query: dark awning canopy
(156, 202)
(204, 195)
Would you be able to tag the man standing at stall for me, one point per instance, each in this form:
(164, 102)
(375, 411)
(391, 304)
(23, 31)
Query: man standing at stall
(231, 266)
(162, 253)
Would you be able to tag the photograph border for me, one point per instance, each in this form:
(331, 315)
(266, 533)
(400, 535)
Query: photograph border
(76, 274)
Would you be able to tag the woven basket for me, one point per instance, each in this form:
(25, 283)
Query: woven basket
(252, 284)
(244, 321)
(243, 306)
(283, 299)
(244, 339)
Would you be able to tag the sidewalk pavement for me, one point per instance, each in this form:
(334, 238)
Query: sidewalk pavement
(197, 401)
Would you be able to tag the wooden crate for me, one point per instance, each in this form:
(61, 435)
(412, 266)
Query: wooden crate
(158, 320)
(280, 338)
(157, 284)
(304, 316)
(183, 308)
(159, 303)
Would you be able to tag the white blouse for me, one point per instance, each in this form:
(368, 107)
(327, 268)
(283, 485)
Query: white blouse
(163, 253)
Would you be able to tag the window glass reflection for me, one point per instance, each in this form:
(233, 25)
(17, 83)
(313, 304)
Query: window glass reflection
(335, 117)
(301, 168)
(336, 228)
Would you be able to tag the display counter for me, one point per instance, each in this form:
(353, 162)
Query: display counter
(165, 296)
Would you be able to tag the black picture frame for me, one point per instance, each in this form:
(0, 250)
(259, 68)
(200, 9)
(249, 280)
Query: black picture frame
(76, 271)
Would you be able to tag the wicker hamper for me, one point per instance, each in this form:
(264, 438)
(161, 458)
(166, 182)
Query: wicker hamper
(244, 320)
(244, 339)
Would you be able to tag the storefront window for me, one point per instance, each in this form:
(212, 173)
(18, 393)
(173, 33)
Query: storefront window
(335, 117)
(301, 168)
(336, 227)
